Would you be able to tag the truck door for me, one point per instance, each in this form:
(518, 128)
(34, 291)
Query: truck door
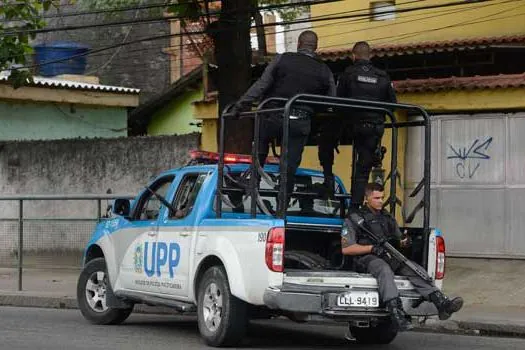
(176, 233)
(138, 246)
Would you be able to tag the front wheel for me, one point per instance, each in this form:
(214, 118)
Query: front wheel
(93, 285)
(382, 333)
(222, 318)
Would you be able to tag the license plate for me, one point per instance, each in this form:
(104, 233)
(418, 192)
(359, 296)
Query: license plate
(358, 299)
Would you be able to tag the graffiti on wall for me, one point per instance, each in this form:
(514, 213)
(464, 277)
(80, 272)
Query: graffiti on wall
(468, 159)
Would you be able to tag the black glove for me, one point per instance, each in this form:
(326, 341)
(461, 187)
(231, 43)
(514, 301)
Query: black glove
(236, 110)
(379, 250)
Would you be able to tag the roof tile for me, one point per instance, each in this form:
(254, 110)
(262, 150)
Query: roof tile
(426, 47)
(461, 83)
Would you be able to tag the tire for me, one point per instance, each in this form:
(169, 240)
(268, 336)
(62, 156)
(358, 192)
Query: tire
(92, 289)
(305, 260)
(224, 325)
(382, 333)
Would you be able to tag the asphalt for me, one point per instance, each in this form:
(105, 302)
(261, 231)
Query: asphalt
(43, 329)
(493, 290)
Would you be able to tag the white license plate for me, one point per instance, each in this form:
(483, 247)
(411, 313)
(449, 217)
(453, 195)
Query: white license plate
(358, 299)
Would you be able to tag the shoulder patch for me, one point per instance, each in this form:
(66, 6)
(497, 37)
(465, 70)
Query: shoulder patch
(368, 80)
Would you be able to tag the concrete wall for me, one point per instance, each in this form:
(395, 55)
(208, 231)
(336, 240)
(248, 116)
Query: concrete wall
(142, 65)
(44, 121)
(123, 165)
(176, 116)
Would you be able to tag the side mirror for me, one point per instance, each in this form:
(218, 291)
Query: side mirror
(121, 207)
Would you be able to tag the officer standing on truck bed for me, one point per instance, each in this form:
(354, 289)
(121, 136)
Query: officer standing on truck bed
(360, 81)
(372, 258)
(287, 75)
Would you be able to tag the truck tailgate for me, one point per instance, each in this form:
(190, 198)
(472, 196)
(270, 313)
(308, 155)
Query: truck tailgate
(337, 280)
(338, 294)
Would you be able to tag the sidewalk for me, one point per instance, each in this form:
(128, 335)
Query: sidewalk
(494, 293)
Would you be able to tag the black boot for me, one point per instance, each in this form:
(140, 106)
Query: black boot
(326, 189)
(446, 306)
(399, 317)
(329, 184)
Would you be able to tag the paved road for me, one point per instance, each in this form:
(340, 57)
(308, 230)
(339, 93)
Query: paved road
(25, 328)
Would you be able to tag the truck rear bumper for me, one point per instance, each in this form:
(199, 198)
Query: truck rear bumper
(323, 303)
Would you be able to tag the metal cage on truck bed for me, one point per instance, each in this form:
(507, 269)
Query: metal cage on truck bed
(331, 107)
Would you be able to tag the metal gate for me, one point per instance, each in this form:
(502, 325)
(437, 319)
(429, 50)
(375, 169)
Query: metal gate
(478, 182)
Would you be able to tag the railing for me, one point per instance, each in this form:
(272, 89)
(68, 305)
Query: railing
(49, 244)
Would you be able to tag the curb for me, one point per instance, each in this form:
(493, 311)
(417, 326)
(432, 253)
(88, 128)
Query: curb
(468, 327)
(472, 327)
(65, 302)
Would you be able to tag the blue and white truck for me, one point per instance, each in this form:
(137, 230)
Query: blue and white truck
(181, 243)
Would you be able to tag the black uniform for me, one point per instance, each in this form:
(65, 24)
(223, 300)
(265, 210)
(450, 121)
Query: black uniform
(382, 268)
(360, 81)
(287, 75)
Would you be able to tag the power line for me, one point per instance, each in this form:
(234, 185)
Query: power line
(204, 32)
(447, 12)
(477, 21)
(320, 18)
(161, 5)
(147, 20)
(473, 21)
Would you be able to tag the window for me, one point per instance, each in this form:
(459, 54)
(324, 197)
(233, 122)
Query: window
(314, 207)
(149, 205)
(187, 195)
(382, 10)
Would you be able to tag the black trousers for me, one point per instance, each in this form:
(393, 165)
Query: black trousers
(366, 141)
(271, 129)
(384, 273)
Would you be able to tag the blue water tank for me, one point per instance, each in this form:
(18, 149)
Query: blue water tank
(59, 50)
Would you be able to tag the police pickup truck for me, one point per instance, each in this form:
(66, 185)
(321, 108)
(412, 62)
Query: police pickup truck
(168, 247)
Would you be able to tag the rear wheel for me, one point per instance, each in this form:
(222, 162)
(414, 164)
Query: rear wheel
(382, 333)
(222, 318)
(92, 288)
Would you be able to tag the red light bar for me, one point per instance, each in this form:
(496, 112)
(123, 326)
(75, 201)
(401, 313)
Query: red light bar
(228, 157)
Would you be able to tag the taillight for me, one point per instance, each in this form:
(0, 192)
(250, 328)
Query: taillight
(440, 257)
(275, 249)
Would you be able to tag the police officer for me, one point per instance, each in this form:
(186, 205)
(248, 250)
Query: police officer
(289, 74)
(360, 81)
(372, 258)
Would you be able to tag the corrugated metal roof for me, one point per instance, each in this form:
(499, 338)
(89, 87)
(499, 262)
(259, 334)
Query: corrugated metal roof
(501, 81)
(69, 84)
(426, 47)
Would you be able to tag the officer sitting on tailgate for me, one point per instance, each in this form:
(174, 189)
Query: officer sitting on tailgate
(287, 75)
(374, 259)
(360, 81)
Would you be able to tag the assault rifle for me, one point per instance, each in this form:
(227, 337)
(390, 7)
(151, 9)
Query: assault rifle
(359, 221)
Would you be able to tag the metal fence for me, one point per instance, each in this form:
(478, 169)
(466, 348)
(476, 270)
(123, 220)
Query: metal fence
(48, 231)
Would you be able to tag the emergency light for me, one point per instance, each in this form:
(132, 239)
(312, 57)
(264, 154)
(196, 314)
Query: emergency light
(213, 157)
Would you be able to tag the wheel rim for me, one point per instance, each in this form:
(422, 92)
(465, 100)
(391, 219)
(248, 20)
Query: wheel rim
(96, 287)
(212, 307)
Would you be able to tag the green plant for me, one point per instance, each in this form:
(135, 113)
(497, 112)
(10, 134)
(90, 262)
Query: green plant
(17, 17)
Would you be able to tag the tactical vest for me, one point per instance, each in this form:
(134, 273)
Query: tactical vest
(367, 83)
(297, 73)
(378, 224)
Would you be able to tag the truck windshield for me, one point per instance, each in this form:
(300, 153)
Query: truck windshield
(298, 206)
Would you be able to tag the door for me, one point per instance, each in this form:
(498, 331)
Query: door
(176, 234)
(142, 255)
